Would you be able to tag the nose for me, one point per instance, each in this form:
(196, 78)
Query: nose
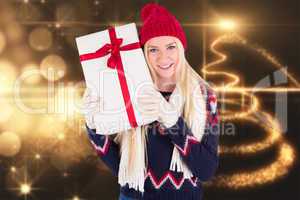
(162, 57)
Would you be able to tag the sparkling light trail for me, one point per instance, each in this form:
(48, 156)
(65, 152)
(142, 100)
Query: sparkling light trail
(286, 153)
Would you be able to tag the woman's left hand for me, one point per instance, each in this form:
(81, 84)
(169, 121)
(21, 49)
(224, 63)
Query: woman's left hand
(171, 110)
(154, 106)
(90, 105)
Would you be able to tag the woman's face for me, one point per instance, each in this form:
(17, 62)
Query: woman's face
(163, 56)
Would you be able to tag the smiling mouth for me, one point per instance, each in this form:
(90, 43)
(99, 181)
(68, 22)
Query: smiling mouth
(164, 67)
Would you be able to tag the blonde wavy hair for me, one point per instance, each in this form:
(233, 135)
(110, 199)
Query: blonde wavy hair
(187, 81)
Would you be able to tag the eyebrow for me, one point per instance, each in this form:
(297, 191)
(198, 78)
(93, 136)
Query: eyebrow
(166, 45)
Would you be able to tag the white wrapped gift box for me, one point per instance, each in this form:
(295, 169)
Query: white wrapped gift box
(103, 54)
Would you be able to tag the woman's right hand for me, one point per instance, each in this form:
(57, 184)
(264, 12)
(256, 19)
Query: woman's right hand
(90, 105)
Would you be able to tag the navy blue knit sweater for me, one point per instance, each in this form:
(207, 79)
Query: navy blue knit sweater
(161, 183)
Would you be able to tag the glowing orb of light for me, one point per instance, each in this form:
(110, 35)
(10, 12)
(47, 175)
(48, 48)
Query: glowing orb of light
(2, 42)
(53, 67)
(25, 122)
(6, 112)
(40, 39)
(13, 169)
(14, 32)
(37, 156)
(76, 198)
(227, 24)
(61, 136)
(33, 73)
(25, 188)
(7, 74)
(10, 144)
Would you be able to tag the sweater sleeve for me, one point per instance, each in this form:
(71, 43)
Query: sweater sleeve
(201, 157)
(106, 149)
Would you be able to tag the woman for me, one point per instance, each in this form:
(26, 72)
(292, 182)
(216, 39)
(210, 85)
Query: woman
(171, 157)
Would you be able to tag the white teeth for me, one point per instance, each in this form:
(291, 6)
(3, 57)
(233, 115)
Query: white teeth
(165, 66)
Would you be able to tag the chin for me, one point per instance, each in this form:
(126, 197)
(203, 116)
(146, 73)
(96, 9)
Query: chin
(166, 74)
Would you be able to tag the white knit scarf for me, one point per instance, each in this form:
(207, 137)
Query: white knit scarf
(136, 179)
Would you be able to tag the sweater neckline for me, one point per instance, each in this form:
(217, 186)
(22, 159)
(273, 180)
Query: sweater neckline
(165, 92)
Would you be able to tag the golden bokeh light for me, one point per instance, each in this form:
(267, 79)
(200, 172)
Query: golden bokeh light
(53, 67)
(14, 32)
(32, 74)
(76, 198)
(61, 136)
(10, 144)
(25, 122)
(6, 112)
(37, 156)
(25, 188)
(227, 24)
(13, 169)
(40, 39)
(8, 75)
(54, 126)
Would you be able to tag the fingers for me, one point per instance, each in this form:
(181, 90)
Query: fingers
(148, 105)
(142, 101)
(147, 99)
(91, 103)
(149, 114)
(148, 108)
(149, 92)
(149, 96)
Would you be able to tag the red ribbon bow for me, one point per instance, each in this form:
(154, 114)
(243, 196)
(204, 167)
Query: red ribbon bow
(115, 62)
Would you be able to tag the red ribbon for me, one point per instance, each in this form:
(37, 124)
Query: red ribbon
(115, 62)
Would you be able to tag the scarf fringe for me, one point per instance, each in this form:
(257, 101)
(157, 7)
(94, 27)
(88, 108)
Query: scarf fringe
(136, 178)
(178, 165)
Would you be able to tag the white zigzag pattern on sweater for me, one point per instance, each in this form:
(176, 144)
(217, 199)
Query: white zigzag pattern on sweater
(103, 149)
(168, 176)
(186, 144)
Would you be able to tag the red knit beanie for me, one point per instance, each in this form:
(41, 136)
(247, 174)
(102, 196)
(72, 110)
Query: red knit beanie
(158, 21)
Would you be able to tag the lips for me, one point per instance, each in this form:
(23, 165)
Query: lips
(166, 66)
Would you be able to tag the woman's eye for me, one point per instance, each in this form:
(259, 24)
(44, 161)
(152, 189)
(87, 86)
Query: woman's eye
(153, 50)
(171, 47)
